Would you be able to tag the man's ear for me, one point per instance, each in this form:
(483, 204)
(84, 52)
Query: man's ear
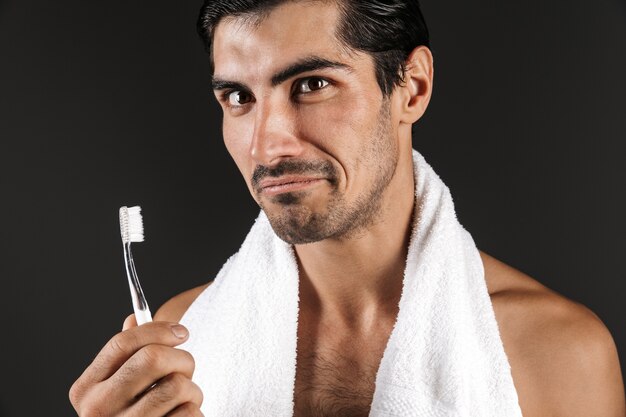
(414, 93)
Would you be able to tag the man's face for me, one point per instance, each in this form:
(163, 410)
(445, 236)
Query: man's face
(305, 121)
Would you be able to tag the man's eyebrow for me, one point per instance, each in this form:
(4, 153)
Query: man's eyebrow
(304, 65)
(219, 84)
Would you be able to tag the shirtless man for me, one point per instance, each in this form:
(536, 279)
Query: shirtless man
(279, 104)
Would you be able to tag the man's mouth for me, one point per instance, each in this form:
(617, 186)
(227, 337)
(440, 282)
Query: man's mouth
(286, 184)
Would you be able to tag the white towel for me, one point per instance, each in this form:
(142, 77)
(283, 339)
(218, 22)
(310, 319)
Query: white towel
(444, 356)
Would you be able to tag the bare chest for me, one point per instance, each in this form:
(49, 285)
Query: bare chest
(336, 379)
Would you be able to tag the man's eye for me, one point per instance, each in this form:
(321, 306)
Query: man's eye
(238, 98)
(309, 85)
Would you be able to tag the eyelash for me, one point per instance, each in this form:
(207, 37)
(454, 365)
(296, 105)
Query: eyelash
(225, 97)
(301, 80)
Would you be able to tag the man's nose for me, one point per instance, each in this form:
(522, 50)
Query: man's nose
(274, 137)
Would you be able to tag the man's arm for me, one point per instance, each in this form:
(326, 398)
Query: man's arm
(563, 359)
(585, 370)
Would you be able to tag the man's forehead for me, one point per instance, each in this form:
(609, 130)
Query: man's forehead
(244, 47)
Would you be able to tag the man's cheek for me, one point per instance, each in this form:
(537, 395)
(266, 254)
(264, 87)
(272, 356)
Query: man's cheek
(236, 145)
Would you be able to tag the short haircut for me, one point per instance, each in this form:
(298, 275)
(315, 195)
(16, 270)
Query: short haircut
(387, 30)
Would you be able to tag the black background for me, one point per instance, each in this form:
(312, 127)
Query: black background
(104, 104)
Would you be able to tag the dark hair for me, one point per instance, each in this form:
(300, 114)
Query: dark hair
(388, 30)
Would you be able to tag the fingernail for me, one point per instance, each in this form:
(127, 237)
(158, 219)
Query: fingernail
(179, 331)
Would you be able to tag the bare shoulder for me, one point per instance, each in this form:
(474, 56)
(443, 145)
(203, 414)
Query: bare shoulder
(174, 309)
(563, 358)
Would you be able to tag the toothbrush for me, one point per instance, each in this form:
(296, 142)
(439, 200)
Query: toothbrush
(131, 228)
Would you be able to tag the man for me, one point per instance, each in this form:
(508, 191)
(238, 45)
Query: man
(319, 98)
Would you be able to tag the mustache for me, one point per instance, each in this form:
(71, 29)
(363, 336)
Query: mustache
(294, 166)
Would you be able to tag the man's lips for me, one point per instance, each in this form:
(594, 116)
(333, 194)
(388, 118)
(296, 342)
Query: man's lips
(274, 186)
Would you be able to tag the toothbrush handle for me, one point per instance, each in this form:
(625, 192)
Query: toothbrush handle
(140, 305)
(143, 316)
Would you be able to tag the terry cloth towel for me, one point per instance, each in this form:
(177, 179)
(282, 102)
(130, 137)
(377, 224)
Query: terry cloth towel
(444, 356)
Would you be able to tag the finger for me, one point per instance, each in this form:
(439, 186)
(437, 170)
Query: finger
(186, 410)
(168, 394)
(94, 402)
(146, 367)
(77, 390)
(131, 321)
(123, 345)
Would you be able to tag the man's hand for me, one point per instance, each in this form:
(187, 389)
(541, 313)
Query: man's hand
(139, 373)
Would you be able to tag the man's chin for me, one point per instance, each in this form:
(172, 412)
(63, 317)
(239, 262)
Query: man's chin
(296, 224)
(289, 199)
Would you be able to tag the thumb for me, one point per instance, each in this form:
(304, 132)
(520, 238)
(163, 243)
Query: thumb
(129, 322)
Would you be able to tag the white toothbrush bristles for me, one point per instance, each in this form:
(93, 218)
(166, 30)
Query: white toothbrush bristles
(131, 224)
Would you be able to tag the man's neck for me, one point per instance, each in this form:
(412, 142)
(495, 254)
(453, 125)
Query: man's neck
(357, 281)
